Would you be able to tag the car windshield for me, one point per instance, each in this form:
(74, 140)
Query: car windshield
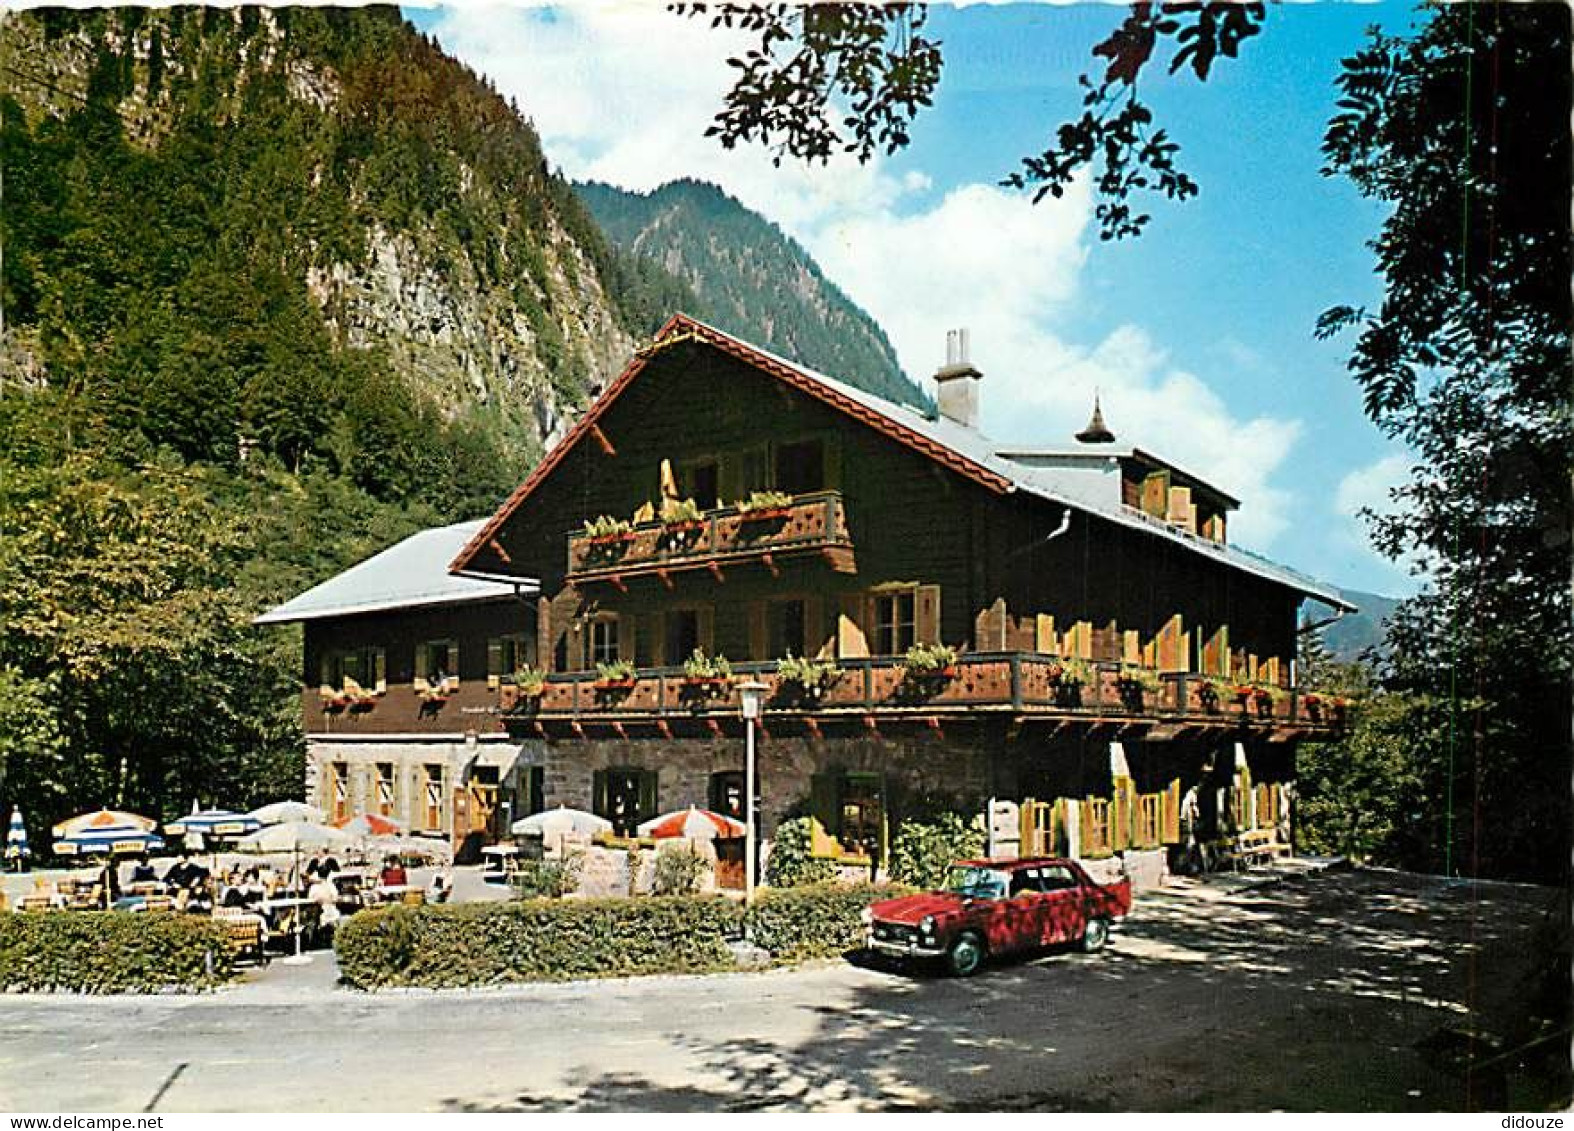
(977, 883)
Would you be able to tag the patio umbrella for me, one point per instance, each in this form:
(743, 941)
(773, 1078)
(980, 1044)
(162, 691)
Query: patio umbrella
(694, 823)
(557, 822)
(103, 819)
(284, 812)
(106, 840)
(297, 836)
(409, 846)
(16, 838)
(215, 824)
(368, 825)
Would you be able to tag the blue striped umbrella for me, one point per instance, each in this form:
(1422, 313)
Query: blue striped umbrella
(104, 838)
(218, 824)
(16, 837)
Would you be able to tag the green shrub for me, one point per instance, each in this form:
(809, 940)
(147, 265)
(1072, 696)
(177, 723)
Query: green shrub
(549, 879)
(922, 851)
(928, 659)
(679, 871)
(112, 952)
(821, 921)
(539, 940)
(792, 862)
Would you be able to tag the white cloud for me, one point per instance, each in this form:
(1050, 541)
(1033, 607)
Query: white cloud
(623, 92)
(1369, 488)
(1008, 270)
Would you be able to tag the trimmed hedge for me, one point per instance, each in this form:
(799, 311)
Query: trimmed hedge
(535, 940)
(820, 921)
(112, 952)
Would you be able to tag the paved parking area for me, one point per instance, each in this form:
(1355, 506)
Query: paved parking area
(1343, 991)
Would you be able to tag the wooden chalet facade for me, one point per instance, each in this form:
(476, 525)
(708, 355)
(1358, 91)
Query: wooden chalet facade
(1120, 671)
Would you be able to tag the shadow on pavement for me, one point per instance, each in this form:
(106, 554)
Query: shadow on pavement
(1350, 992)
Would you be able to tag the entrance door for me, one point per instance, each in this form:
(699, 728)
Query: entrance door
(483, 787)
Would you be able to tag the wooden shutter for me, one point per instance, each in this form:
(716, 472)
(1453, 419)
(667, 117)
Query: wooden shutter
(1120, 815)
(832, 449)
(1131, 646)
(759, 633)
(926, 614)
(1180, 510)
(825, 813)
(851, 637)
(494, 663)
(1155, 493)
(1044, 638)
(989, 627)
(1170, 832)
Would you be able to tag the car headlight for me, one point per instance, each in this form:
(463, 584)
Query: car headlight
(867, 916)
(926, 925)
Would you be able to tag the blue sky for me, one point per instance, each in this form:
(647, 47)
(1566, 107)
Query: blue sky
(1198, 335)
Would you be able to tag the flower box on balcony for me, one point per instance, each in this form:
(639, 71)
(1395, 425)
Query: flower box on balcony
(765, 514)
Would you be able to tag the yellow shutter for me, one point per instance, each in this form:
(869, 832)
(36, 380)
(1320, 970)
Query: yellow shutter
(926, 614)
(494, 663)
(1131, 646)
(851, 638)
(1155, 493)
(1044, 638)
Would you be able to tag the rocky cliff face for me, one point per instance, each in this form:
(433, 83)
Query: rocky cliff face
(410, 202)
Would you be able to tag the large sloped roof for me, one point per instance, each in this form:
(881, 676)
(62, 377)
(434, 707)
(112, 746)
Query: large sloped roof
(964, 450)
(408, 574)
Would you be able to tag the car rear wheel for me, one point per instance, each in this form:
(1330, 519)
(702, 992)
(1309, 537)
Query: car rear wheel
(1095, 935)
(966, 955)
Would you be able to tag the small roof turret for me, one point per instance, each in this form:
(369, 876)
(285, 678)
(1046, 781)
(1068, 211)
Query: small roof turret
(1097, 432)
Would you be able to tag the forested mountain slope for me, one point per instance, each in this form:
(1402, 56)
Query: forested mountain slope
(751, 280)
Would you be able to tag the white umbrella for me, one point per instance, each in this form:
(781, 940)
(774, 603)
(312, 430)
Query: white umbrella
(556, 822)
(217, 824)
(103, 819)
(285, 812)
(297, 836)
(409, 846)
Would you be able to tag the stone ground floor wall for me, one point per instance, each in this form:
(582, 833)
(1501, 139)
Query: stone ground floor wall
(920, 773)
(410, 759)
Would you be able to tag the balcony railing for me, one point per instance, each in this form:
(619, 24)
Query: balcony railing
(810, 524)
(981, 683)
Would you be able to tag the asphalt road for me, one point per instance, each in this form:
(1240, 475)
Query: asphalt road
(1363, 991)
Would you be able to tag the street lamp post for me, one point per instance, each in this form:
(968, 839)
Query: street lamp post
(752, 693)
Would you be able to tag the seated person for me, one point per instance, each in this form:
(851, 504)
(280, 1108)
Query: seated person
(441, 888)
(326, 897)
(143, 872)
(393, 874)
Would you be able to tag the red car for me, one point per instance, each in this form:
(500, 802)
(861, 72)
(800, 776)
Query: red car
(992, 907)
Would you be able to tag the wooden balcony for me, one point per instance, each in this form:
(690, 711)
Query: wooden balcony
(811, 525)
(874, 692)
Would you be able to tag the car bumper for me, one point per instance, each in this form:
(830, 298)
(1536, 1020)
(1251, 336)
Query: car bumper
(902, 949)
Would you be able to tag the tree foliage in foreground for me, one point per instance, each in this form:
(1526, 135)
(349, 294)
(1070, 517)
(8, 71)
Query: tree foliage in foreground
(1462, 129)
(874, 67)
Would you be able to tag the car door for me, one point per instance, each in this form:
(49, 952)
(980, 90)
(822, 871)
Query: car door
(1022, 911)
(1063, 908)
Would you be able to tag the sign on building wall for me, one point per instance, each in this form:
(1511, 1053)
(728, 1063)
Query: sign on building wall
(1005, 828)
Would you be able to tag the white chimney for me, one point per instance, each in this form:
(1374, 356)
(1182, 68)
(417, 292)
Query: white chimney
(956, 384)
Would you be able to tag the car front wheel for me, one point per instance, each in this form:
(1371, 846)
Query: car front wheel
(1095, 935)
(966, 955)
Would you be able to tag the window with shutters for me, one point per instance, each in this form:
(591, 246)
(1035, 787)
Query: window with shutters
(684, 630)
(602, 640)
(385, 789)
(849, 814)
(894, 621)
(339, 789)
(365, 667)
(700, 481)
(432, 796)
(505, 655)
(624, 795)
(786, 628)
(437, 661)
(800, 467)
(726, 794)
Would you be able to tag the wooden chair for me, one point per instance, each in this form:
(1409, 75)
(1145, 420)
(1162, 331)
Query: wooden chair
(36, 901)
(246, 935)
(158, 902)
